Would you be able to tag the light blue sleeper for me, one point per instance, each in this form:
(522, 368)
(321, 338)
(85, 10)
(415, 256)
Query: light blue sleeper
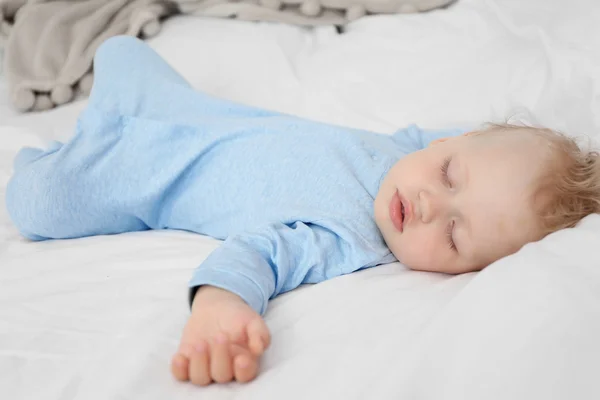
(291, 198)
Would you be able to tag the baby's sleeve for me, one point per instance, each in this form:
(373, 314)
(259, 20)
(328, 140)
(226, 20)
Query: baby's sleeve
(412, 138)
(258, 266)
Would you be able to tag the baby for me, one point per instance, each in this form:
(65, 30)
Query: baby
(295, 201)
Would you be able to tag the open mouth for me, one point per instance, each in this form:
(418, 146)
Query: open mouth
(397, 212)
(402, 211)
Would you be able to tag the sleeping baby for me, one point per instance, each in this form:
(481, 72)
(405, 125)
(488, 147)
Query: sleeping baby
(294, 201)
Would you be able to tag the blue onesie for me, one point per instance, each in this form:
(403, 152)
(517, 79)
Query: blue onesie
(291, 198)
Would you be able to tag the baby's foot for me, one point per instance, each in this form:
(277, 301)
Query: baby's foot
(222, 340)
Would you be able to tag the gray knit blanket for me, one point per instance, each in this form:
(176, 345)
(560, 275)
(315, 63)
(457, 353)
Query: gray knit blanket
(50, 44)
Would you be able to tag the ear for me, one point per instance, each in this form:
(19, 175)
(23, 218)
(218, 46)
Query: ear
(441, 140)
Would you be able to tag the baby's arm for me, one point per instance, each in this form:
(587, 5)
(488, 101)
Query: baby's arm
(222, 340)
(236, 281)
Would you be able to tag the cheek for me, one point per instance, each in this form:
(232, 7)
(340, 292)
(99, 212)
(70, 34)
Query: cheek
(406, 170)
(421, 249)
(413, 175)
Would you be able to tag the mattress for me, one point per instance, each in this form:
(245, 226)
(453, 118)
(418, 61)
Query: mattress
(99, 318)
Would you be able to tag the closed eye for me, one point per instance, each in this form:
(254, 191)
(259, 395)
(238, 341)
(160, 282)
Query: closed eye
(444, 170)
(449, 231)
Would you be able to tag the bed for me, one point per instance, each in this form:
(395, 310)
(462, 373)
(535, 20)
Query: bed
(99, 318)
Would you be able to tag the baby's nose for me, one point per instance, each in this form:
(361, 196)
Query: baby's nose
(430, 206)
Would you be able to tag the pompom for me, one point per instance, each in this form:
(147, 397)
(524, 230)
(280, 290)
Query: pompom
(23, 99)
(151, 28)
(311, 8)
(42, 102)
(354, 12)
(61, 94)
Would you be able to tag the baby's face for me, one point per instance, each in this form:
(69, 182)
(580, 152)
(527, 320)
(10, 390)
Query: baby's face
(460, 204)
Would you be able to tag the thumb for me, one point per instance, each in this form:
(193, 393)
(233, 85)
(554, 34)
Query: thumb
(259, 337)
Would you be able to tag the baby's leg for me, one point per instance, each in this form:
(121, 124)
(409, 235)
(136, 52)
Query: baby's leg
(100, 183)
(28, 155)
(50, 196)
(131, 79)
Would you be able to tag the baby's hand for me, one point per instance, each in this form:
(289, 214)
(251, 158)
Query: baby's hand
(222, 340)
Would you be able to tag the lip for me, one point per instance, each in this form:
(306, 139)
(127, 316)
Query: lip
(396, 212)
(408, 211)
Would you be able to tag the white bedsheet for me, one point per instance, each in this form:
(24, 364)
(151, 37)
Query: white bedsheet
(99, 318)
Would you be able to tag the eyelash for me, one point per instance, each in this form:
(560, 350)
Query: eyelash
(449, 229)
(444, 169)
(446, 179)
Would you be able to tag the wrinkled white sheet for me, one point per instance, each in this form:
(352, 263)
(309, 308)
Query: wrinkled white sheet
(99, 318)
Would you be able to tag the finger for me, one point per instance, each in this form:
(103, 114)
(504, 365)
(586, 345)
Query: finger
(266, 337)
(221, 369)
(237, 349)
(199, 372)
(245, 367)
(179, 367)
(186, 350)
(259, 337)
(245, 364)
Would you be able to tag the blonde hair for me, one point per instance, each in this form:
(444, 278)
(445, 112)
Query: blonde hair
(569, 188)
